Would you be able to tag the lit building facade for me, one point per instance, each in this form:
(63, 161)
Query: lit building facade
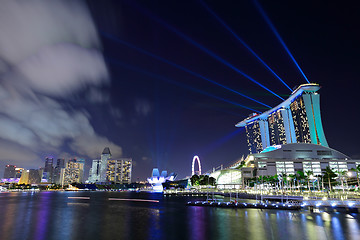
(107, 170)
(227, 178)
(31, 176)
(48, 173)
(119, 170)
(296, 120)
(105, 156)
(289, 158)
(94, 173)
(253, 135)
(60, 164)
(72, 173)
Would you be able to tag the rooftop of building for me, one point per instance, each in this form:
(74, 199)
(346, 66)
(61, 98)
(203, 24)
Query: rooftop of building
(106, 151)
(310, 87)
(305, 151)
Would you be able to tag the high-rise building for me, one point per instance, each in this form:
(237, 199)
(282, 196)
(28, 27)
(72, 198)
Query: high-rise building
(119, 170)
(10, 171)
(106, 170)
(31, 176)
(94, 173)
(72, 173)
(301, 126)
(295, 120)
(253, 135)
(48, 173)
(60, 164)
(105, 156)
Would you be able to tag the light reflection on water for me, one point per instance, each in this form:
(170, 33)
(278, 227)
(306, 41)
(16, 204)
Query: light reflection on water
(51, 215)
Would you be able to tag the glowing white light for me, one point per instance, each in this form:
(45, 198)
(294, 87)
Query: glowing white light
(132, 200)
(196, 158)
(79, 198)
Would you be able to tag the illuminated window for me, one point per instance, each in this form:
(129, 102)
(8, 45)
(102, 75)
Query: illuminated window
(262, 164)
(312, 166)
(338, 166)
(285, 168)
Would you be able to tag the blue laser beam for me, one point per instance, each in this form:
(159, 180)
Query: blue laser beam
(243, 42)
(153, 75)
(204, 49)
(179, 67)
(214, 145)
(268, 21)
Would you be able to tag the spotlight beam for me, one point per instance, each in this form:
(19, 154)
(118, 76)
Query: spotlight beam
(219, 142)
(243, 42)
(268, 21)
(180, 67)
(153, 75)
(204, 49)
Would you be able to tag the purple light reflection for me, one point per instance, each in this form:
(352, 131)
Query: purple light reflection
(42, 216)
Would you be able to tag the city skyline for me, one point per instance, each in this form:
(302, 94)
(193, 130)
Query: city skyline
(160, 81)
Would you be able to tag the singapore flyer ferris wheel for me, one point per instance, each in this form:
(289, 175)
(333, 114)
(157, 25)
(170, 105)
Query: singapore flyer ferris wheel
(193, 172)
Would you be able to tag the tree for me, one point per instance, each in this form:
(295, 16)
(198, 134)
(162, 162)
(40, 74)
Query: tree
(309, 175)
(204, 180)
(342, 175)
(195, 180)
(292, 177)
(212, 181)
(329, 175)
(300, 175)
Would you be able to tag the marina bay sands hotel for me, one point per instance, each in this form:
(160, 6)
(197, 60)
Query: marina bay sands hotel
(290, 137)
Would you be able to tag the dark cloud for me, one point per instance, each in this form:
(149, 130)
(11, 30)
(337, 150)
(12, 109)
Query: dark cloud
(48, 53)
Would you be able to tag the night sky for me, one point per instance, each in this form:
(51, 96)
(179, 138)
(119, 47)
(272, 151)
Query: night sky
(157, 81)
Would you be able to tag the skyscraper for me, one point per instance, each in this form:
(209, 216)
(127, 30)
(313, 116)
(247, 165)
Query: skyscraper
(9, 171)
(60, 164)
(73, 172)
(253, 135)
(108, 170)
(119, 170)
(94, 173)
(105, 156)
(31, 176)
(48, 173)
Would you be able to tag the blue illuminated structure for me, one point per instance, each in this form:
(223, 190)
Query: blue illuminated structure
(295, 120)
(157, 180)
(263, 14)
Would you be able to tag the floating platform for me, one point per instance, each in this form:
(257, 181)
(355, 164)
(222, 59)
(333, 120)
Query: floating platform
(282, 206)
